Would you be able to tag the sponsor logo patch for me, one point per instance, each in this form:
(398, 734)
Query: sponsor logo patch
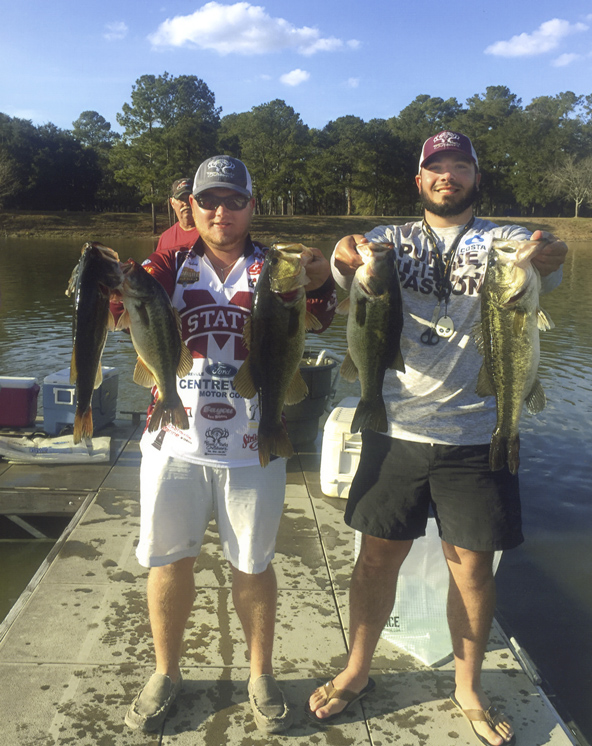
(218, 412)
(221, 370)
(216, 443)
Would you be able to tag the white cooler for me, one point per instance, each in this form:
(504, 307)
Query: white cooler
(340, 454)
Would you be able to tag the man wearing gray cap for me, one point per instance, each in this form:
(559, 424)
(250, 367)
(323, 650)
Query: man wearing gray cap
(213, 468)
(435, 454)
(183, 233)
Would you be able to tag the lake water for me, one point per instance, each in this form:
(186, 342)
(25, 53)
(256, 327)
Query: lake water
(544, 586)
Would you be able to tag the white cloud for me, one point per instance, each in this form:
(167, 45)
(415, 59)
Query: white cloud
(295, 77)
(565, 59)
(241, 28)
(353, 82)
(115, 31)
(547, 37)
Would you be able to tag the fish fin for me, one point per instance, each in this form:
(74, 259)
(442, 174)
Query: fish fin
(477, 333)
(504, 451)
(544, 321)
(297, 390)
(99, 376)
(247, 334)
(348, 370)
(73, 368)
(343, 307)
(311, 323)
(162, 416)
(370, 415)
(243, 381)
(185, 361)
(398, 363)
(484, 383)
(143, 376)
(536, 400)
(123, 322)
(83, 425)
(274, 440)
(519, 322)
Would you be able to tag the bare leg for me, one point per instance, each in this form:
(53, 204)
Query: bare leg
(171, 592)
(371, 600)
(471, 605)
(255, 601)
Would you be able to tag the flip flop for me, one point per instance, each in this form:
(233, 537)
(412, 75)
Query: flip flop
(345, 694)
(491, 716)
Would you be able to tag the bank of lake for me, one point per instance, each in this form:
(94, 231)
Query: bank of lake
(308, 229)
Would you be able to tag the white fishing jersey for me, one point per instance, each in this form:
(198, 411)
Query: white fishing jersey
(435, 400)
(223, 426)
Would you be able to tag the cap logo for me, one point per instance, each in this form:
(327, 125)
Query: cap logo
(447, 140)
(220, 167)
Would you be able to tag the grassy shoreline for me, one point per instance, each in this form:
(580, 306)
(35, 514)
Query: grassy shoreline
(304, 228)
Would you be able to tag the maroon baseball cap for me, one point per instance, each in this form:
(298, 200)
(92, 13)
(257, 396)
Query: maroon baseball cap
(447, 141)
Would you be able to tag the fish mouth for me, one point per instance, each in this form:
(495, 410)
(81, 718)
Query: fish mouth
(127, 267)
(289, 296)
(515, 298)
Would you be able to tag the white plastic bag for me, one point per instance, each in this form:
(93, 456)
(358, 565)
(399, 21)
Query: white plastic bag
(418, 623)
(61, 450)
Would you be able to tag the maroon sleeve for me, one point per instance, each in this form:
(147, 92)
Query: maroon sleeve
(162, 265)
(322, 303)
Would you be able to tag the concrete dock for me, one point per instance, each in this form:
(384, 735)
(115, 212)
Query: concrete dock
(76, 647)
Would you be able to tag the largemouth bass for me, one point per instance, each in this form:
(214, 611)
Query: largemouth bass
(275, 337)
(508, 338)
(374, 326)
(94, 277)
(155, 329)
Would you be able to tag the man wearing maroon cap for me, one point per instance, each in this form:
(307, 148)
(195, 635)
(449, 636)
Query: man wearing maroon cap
(435, 453)
(183, 234)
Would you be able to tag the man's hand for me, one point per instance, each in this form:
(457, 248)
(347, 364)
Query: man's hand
(318, 270)
(347, 259)
(552, 254)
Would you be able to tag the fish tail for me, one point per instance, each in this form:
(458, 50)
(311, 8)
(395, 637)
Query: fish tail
(161, 416)
(274, 440)
(370, 414)
(83, 425)
(504, 450)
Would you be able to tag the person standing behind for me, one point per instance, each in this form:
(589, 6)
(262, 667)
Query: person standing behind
(436, 451)
(182, 234)
(213, 467)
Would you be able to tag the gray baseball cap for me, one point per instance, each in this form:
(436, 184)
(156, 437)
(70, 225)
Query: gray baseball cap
(223, 171)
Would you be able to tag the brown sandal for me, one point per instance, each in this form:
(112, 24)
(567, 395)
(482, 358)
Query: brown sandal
(492, 716)
(346, 695)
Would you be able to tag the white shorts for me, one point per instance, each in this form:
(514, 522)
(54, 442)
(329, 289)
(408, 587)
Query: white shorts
(178, 499)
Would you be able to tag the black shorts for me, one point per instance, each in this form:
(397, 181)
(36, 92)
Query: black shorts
(398, 481)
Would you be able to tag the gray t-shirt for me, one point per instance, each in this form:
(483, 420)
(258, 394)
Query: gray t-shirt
(435, 400)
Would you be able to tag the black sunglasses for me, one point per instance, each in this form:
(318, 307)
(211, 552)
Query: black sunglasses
(213, 202)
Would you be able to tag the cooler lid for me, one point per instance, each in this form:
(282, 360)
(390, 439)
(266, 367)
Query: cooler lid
(15, 382)
(62, 377)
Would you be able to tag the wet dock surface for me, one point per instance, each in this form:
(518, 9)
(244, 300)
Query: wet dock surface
(76, 647)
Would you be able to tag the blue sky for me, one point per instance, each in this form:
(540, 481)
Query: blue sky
(325, 58)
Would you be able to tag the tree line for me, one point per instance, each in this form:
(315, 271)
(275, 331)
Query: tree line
(536, 159)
